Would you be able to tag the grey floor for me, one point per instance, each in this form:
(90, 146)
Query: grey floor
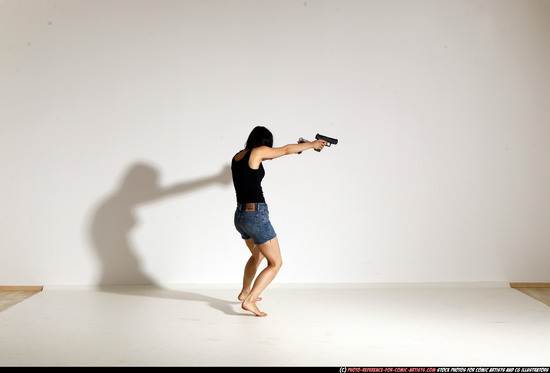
(307, 325)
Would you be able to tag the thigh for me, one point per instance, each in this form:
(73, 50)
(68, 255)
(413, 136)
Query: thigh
(250, 244)
(254, 250)
(271, 251)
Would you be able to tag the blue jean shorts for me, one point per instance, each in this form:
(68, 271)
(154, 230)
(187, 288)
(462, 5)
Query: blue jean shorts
(254, 224)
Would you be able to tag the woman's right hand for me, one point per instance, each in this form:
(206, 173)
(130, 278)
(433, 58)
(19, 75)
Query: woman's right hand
(319, 144)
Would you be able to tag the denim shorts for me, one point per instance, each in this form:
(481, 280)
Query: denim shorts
(254, 224)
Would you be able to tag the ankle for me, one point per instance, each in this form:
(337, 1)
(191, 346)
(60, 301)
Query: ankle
(250, 299)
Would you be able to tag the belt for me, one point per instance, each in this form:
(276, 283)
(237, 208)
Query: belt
(249, 206)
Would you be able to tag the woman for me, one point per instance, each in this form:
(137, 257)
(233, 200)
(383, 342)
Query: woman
(252, 215)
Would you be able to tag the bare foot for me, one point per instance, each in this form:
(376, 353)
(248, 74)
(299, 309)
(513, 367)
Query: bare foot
(252, 308)
(242, 296)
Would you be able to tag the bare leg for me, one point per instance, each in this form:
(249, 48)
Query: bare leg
(250, 269)
(272, 253)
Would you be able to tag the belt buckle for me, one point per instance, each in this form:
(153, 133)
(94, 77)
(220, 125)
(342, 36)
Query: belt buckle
(250, 207)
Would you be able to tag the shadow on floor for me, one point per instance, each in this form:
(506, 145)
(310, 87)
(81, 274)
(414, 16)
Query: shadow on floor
(156, 291)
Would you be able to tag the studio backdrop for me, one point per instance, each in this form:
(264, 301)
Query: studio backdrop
(119, 119)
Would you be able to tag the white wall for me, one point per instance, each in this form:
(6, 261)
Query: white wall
(119, 117)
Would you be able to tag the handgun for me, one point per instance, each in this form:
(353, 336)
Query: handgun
(328, 140)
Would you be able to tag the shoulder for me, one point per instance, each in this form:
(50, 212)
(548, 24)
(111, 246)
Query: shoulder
(256, 157)
(265, 152)
(259, 150)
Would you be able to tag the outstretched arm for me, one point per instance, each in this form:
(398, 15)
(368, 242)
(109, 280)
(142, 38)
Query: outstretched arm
(263, 153)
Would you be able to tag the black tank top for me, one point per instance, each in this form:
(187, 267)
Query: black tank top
(247, 181)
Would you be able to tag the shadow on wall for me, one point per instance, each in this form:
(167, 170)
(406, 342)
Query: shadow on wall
(113, 220)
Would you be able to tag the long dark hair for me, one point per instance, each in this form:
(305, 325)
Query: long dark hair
(260, 136)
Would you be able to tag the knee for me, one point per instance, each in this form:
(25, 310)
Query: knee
(276, 264)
